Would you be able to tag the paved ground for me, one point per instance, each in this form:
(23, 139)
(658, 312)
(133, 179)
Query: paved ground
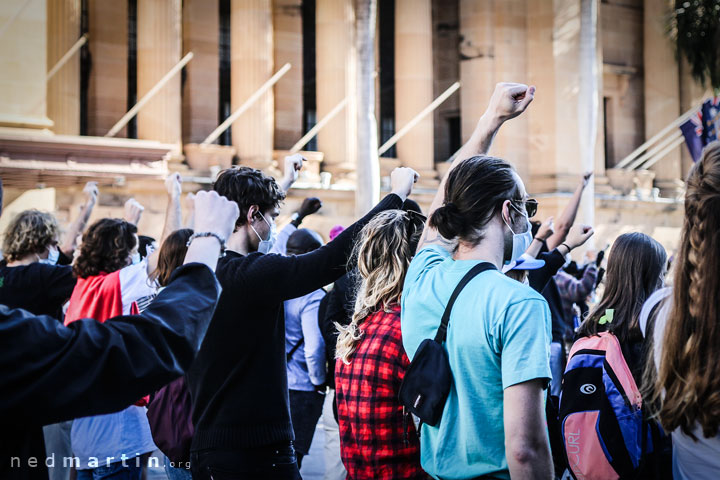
(313, 465)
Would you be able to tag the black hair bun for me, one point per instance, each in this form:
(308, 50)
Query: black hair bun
(448, 220)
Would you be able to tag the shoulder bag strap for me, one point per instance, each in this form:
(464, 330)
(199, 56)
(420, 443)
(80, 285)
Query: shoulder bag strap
(476, 270)
(294, 348)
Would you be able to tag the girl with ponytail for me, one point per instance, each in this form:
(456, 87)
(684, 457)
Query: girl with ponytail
(685, 371)
(374, 438)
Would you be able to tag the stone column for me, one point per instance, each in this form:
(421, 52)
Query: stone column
(336, 70)
(541, 114)
(201, 96)
(662, 91)
(477, 61)
(63, 89)
(23, 65)
(159, 46)
(511, 65)
(288, 42)
(252, 65)
(107, 89)
(414, 84)
(566, 52)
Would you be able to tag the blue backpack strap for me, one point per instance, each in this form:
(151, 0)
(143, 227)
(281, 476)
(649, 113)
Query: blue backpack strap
(475, 271)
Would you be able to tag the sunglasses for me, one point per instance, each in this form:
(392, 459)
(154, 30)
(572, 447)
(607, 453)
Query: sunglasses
(531, 206)
(416, 222)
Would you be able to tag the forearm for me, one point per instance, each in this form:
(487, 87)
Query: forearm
(173, 217)
(479, 144)
(587, 283)
(280, 245)
(530, 461)
(286, 183)
(70, 371)
(76, 228)
(534, 248)
(306, 273)
(566, 219)
(205, 250)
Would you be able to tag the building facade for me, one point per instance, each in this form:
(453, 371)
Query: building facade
(606, 77)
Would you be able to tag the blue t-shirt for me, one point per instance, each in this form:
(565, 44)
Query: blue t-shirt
(499, 335)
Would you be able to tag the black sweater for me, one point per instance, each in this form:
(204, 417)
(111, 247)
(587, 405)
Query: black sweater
(50, 372)
(238, 382)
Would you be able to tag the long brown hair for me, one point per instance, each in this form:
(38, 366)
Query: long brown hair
(383, 253)
(635, 269)
(688, 381)
(171, 256)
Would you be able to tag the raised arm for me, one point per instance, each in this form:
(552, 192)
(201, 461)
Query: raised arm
(173, 215)
(555, 259)
(567, 217)
(545, 230)
(309, 206)
(508, 101)
(293, 165)
(299, 275)
(76, 228)
(67, 372)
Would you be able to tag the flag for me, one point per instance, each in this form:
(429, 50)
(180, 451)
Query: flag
(702, 127)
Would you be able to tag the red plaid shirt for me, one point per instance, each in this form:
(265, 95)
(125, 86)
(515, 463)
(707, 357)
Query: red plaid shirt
(372, 440)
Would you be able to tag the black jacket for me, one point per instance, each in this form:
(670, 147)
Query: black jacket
(50, 372)
(542, 280)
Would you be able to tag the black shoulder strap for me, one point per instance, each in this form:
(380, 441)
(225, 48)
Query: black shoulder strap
(476, 270)
(294, 348)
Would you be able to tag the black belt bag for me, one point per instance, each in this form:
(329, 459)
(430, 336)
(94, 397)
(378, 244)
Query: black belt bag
(426, 384)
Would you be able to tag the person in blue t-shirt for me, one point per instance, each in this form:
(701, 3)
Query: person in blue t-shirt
(498, 341)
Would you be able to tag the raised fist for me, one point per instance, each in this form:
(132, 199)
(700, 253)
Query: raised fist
(402, 180)
(510, 100)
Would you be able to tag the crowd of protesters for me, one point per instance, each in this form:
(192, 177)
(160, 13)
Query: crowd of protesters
(224, 343)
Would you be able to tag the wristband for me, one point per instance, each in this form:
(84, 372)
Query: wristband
(296, 219)
(566, 246)
(538, 239)
(205, 235)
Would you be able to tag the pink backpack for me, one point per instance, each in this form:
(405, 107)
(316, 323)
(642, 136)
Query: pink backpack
(601, 411)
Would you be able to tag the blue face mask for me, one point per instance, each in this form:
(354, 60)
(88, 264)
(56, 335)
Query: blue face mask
(521, 241)
(53, 256)
(266, 245)
(135, 258)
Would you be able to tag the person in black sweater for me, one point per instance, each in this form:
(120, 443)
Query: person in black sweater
(50, 372)
(238, 383)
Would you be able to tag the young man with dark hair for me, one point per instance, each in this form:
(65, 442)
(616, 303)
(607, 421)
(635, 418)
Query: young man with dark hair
(239, 381)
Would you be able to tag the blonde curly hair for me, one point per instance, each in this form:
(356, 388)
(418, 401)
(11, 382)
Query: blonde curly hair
(383, 255)
(31, 231)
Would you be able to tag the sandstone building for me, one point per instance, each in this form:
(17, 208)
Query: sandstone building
(53, 128)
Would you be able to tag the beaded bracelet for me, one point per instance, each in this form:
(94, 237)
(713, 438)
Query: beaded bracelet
(205, 235)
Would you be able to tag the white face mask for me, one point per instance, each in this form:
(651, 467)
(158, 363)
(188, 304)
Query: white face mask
(521, 241)
(266, 245)
(53, 256)
(135, 258)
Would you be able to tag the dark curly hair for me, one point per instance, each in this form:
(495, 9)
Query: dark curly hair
(105, 247)
(247, 186)
(171, 256)
(31, 231)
